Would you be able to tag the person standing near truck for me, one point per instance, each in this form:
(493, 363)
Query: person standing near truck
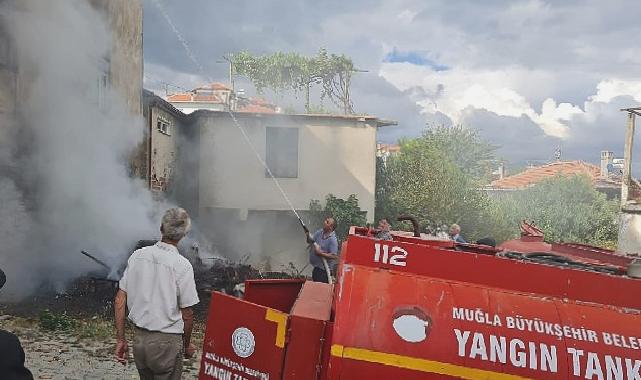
(384, 230)
(323, 245)
(455, 234)
(159, 289)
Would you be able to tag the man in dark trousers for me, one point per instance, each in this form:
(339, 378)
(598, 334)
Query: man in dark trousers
(11, 353)
(323, 245)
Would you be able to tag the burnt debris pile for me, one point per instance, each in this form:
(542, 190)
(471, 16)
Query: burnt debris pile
(93, 295)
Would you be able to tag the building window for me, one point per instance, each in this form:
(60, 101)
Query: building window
(163, 126)
(282, 152)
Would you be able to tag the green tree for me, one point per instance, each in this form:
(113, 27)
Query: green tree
(567, 209)
(436, 178)
(463, 146)
(292, 71)
(428, 185)
(346, 212)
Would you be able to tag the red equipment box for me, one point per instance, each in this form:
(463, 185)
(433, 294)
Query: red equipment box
(275, 332)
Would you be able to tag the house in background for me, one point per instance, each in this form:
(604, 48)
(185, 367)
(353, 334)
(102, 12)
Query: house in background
(212, 97)
(385, 151)
(255, 105)
(238, 205)
(605, 177)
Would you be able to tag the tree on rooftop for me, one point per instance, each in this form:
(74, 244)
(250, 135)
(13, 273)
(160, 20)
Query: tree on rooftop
(294, 72)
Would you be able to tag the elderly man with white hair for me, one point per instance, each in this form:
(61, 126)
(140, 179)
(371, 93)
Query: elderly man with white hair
(159, 290)
(455, 234)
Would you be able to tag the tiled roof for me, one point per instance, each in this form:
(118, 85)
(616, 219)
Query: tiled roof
(392, 148)
(539, 173)
(191, 97)
(202, 94)
(214, 86)
(254, 108)
(257, 105)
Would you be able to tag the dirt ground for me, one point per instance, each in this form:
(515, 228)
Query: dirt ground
(84, 351)
(72, 335)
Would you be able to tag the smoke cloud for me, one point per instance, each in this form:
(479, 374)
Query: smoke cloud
(64, 182)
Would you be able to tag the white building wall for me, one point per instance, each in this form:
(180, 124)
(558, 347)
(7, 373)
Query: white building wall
(241, 210)
(334, 156)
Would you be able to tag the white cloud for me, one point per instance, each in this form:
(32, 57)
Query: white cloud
(611, 88)
(520, 14)
(406, 16)
(531, 63)
(496, 91)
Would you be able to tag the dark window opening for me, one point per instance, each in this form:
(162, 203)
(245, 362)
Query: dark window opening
(282, 152)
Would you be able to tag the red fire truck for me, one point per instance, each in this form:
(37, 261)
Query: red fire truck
(415, 308)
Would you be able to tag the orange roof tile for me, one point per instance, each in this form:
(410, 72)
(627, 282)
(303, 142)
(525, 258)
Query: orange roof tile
(191, 97)
(179, 98)
(539, 173)
(214, 86)
(255, 108)
(257, 105)
(392, 148)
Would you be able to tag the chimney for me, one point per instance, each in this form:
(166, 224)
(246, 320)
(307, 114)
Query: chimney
(501, 170)
(607, 158)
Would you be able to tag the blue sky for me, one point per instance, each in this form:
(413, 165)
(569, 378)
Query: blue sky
(415, 58)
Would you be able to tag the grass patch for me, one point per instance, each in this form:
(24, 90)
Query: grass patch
(55, 322)
(95, 328)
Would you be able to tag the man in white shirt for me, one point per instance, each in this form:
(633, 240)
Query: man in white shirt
(159, 290)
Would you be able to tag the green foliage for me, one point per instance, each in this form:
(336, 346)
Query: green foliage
(385, 207)
(425, 182)
(437, 177)
(566, 209)
(462, 146)
(291, 71)
(54, 322)
(346, 212)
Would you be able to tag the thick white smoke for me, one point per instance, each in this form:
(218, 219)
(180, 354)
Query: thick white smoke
(64, 183)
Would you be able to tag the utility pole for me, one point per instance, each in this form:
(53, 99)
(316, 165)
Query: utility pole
(629, 239)
(231, 69)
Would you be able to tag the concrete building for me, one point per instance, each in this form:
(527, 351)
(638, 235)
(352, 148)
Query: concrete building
(312, 156)
(125, 62)
(122, 68)
(163, 124)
